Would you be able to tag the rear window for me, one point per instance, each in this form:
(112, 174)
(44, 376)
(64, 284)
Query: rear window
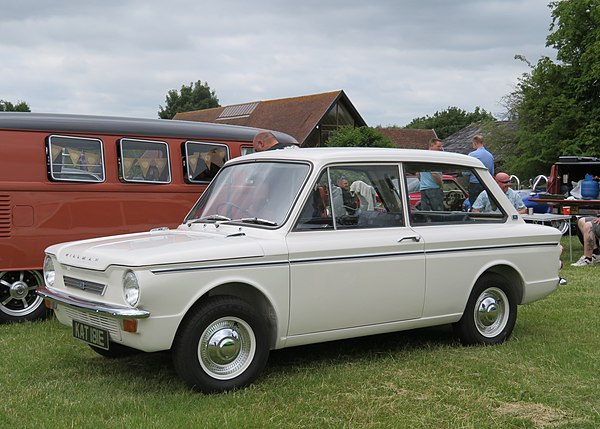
(75, 159)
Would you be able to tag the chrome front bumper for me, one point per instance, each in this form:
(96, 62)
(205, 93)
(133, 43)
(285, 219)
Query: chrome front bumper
(120, 312)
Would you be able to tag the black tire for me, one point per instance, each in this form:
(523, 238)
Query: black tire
(18, 300)
(222, 345)
(490, 314)
(115, 351)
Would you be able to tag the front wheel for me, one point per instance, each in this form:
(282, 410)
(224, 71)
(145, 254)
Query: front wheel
(490, 314)
(222, 346)
(18, 300)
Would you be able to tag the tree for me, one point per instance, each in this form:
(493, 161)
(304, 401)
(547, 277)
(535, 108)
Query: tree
(557, 102)
(359, 137)
(196, 96)
(7, 106)
(449, 121)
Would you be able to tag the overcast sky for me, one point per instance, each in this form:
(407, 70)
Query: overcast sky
(395, 59)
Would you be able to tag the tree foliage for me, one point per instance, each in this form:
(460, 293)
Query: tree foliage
(558, 102)
(7, 106)
(449, 121)
(359, 137)
(196, 96)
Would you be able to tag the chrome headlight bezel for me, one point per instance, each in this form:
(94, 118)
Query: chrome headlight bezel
(49, 271)
(131, 288)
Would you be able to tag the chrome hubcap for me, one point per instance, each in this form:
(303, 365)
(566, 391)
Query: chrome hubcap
(223, 346)
(17, 292)
(491, 312)
(227, 347)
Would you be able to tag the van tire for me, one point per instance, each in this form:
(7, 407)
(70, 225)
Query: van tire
(18, 300)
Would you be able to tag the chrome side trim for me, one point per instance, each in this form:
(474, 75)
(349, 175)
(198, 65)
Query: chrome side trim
(117, 311)
(259, 264)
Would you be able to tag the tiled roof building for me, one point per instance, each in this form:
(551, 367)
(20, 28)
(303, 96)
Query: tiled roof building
(408, 138)
(310, 119)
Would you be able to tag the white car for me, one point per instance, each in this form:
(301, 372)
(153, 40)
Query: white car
(276, 253)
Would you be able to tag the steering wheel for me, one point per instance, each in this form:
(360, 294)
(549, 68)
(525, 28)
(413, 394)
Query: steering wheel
(231, 206)
(453, 200)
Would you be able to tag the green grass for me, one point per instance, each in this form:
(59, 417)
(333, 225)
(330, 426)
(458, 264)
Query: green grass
(545, 376)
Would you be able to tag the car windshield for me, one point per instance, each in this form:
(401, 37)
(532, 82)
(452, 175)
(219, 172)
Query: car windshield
(260, 193)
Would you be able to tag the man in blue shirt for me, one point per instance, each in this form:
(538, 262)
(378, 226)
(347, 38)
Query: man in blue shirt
(432, 194)
(482, 154)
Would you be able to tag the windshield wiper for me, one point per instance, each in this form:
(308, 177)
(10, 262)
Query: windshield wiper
(213, 217)
(258, 221)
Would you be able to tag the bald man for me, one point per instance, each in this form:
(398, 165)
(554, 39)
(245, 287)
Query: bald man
(484, 204)
(266, 140)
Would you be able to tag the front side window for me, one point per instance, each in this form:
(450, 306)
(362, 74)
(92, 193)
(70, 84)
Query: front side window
(352, 197)
(438, 195)
(204, 160)
(75, 159)
(144, 161)
(255, 193)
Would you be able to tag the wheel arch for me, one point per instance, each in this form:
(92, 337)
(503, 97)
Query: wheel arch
(246, 292)
(512, 276)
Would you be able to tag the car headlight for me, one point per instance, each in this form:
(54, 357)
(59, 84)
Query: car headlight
(49, 273)
(131, 288)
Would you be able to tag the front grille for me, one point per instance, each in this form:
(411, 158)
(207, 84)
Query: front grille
(4, 216)
(96, 320)
(85, 285)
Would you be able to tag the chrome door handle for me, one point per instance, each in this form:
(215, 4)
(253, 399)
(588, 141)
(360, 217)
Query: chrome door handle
(415, 238)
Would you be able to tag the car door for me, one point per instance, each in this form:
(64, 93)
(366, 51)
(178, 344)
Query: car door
(354, 267)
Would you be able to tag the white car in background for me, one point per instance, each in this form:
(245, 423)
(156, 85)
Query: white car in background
(269, 257)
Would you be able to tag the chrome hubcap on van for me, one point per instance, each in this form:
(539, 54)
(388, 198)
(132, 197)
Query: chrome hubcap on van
(17, 292)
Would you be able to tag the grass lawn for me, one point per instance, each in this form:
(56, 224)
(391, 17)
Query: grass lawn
(545, 376)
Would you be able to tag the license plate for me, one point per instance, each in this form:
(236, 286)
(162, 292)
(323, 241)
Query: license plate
(90, 334)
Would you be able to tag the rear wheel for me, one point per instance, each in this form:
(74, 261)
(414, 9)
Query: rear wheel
(490, 314)
(222, 346)
(18, 300)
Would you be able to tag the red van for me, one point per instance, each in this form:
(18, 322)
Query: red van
(70, 177)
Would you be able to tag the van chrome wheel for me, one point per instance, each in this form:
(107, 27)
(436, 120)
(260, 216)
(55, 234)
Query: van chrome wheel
(18, 300)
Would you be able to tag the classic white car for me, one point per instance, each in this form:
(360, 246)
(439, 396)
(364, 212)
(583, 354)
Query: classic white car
(298, 246)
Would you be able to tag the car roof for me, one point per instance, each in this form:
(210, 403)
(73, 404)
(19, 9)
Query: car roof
(328, 155)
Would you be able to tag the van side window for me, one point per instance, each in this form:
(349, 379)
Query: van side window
(144, 161)
(203, 160)
(74, 159)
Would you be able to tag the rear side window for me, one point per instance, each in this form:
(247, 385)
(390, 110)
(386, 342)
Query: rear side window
(143, 161)
(75, 159)
(203, 160)
(438, 195)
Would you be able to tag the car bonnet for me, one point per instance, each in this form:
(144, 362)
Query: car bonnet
(156, 248)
